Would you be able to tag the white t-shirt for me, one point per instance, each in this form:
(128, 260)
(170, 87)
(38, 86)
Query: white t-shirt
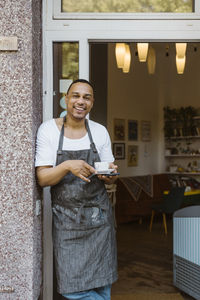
(48, 139)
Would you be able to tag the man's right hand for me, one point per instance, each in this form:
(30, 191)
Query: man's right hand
(49, 175)
(80, 169)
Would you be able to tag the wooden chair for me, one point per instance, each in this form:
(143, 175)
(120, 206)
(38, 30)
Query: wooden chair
(171, 203)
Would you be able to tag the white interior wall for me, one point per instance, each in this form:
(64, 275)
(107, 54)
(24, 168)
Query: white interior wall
(140, 96)
(181, 90)
(133, 96)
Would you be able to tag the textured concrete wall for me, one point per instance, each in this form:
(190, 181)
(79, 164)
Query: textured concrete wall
(20, 115)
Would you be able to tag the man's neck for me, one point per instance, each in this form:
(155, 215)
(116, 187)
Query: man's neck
(74, 124)
(75, 129)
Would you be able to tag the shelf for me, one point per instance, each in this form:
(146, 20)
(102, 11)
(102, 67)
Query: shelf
(194, 118)
(182, 145)
(175, 120)
(183, 173)
(183, 137)
(183, 155)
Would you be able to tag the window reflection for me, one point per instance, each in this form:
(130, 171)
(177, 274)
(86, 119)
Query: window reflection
(66, 69)
(128, 6)
(70, 60)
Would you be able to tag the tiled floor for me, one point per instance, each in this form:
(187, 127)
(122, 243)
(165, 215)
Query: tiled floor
(145, 259)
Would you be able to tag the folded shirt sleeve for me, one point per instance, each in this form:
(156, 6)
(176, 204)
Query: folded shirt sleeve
(45, 155)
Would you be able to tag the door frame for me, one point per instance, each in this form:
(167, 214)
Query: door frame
(141, 29)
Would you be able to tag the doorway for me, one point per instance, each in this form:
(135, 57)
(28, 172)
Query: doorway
(136, 96)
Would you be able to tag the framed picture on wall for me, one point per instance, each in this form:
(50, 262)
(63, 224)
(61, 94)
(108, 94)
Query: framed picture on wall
(119, 150)
(132, 130)
(146, 131)
(119, 129)
(132, 155)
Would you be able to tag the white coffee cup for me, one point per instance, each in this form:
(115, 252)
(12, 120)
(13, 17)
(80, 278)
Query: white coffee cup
(101, 165)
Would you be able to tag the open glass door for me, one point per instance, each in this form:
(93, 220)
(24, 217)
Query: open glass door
(64, 61)
(65, 70)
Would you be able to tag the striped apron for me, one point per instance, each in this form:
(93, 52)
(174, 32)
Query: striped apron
(83, 227)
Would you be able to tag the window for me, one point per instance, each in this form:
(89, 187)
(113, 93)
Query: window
(127, 6)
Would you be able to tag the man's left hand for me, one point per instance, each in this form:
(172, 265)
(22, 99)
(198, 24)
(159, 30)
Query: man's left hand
(110, 179)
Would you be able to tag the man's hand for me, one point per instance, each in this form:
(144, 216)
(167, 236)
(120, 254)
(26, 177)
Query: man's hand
(110, 179)
(80, 169)
(49, 175)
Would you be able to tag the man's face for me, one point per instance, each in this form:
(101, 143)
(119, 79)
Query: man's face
(79, 100)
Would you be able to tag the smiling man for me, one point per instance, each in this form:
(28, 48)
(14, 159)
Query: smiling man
(83, 226)
(79, 100)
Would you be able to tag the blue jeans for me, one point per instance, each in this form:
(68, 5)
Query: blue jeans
(101, 293)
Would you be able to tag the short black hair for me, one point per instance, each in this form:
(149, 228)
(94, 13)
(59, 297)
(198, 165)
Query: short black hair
(79, 80)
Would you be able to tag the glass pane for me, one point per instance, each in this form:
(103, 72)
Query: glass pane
(129, 6)
(65, 70)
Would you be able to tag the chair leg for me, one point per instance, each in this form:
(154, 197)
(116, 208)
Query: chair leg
(164, 223)
(140, 220)
(151, 222)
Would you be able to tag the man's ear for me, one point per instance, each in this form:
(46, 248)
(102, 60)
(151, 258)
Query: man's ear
(92, 103)
(66, 99)
(91, 106)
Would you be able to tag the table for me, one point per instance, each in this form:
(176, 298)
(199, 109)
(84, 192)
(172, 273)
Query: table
(190, 198)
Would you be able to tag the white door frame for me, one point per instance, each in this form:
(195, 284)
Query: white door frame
(142, 28)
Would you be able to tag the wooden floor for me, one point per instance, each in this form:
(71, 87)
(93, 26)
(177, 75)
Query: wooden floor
(145, 259)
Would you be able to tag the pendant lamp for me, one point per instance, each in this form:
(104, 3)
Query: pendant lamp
(151, 60)
(180, 64)
(127, 59)
(120, 50)
(142, 51)
(181, 49)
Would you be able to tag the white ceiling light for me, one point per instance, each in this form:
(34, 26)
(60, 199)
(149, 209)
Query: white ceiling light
(181, 49)
(180, 64)
(120, 50)
(127, 60)
(151, 60)
(142, 51)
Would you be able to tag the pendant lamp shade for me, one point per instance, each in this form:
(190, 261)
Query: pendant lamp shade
(120, 50)
(127, 60)
(181, 49)
(151, 60)
(142, 51)
(180, 64)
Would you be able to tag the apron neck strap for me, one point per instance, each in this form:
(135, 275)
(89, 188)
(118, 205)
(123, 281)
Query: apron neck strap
(60, 145)
(92, 144)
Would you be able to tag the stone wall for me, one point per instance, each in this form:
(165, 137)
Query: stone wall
(20, 116)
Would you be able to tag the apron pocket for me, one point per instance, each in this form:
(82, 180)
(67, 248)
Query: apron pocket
(81, 218)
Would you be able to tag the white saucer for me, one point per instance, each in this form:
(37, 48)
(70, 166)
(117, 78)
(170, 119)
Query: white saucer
(107, 171)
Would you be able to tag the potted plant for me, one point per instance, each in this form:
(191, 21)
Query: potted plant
(169, 117)
(187, 116)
